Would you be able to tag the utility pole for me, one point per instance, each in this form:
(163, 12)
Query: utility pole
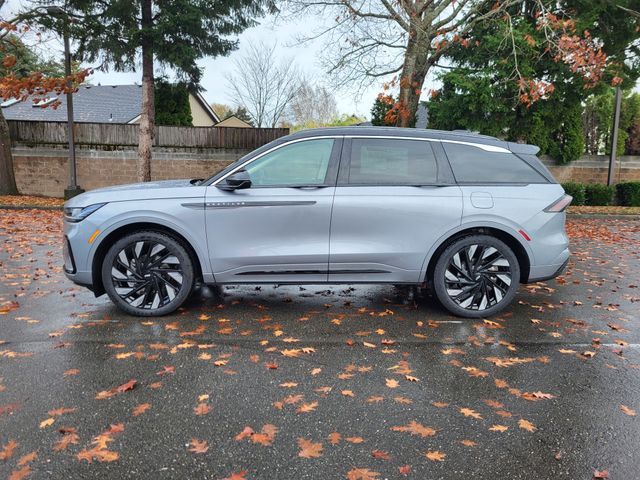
(73, 189)
(614, 136)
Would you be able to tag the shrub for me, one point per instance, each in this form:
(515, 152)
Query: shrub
(577, 191)
(599, 195)
(629, 194)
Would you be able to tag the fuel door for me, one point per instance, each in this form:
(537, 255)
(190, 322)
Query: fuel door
(481, 200)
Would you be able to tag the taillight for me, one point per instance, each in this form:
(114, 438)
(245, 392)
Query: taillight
(560, 204)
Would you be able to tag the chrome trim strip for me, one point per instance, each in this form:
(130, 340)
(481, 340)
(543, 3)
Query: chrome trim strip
(242, 203)
(311, 272)
(488, 148)
(195, 206)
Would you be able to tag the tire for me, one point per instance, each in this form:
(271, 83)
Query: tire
(476, 276)
(154, 265)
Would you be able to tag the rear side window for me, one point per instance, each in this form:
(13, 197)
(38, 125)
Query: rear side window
(473, 165)
(379, 161)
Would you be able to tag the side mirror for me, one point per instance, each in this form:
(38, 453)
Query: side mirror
(236, 181)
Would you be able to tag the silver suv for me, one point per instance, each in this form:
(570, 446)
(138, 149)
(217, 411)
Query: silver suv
(470, 215)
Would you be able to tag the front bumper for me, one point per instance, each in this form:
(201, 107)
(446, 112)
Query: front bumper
(67, 256)
(75, 253)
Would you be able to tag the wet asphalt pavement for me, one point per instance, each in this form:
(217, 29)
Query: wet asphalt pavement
(377, 382)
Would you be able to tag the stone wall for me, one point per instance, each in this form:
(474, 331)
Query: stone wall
(595, 169)
(43, 170)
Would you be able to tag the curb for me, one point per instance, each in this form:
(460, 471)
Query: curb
(29, 207)
(615, 216)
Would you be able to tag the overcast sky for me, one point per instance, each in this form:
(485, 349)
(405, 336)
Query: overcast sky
(305, 57)
(268, 32)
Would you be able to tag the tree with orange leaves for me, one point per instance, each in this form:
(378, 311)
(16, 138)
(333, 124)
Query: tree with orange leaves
(371, 40)
(18, 83)
(509, 85)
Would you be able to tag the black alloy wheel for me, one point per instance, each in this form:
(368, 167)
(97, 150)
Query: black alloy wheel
(148, 273)
(476, 276)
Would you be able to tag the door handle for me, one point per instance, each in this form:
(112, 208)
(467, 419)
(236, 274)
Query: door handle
(310, 187)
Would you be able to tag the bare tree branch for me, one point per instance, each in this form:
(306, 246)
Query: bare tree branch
(262, 86)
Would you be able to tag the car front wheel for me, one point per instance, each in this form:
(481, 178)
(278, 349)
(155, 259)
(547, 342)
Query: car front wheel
(476, 276)
(148, 273)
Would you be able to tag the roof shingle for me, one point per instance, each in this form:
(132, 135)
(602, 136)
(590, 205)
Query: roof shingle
(91, 104)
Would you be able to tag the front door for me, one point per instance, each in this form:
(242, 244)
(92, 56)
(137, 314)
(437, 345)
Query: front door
(394, 199)
(276, 231)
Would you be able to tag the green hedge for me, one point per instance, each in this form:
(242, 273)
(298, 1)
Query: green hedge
(577, 191)
(599, 195)
(595, 195)
(629, 194)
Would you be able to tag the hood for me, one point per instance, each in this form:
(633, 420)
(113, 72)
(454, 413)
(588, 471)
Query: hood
(139, 191)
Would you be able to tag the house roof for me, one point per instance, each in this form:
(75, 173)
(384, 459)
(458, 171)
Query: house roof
(198, 96)
(91, 104)
(233, 121)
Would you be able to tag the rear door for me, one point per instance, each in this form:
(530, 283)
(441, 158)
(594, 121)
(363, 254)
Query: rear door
(393, 200)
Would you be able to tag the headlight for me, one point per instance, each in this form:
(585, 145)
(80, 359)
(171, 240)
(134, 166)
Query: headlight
(77, 214)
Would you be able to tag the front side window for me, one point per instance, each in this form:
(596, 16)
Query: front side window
(474, 165)
(297, 164)
(378, 161)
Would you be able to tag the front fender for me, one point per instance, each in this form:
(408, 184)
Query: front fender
(188, 223)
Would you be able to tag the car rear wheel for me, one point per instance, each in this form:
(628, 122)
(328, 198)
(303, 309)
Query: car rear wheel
(476, 276)
(148, 273)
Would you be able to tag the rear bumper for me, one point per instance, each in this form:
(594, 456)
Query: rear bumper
(540, 273)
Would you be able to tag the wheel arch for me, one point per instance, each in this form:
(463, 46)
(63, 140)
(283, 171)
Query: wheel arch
(520, 251)
(122, 230)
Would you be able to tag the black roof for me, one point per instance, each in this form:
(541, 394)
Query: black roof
(91, 103)
(455, 135)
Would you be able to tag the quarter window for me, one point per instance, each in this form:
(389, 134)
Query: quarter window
(473, 165)
(378, 161)
(302, 163)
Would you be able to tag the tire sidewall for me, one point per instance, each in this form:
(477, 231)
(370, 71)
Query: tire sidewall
(443, 262)
(176, 248)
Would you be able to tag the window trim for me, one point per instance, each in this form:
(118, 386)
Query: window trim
(332, 168)
(444, 164)
(345, 164)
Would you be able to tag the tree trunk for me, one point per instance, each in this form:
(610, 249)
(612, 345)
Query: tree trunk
(414, 71)
(147, 115)
(7, 178)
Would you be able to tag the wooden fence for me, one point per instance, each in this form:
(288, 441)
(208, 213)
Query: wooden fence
(101, 134)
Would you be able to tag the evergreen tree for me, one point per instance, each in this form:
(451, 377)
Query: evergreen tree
(381, 107)
(118, 33)
(482, 92)
(172, 104)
